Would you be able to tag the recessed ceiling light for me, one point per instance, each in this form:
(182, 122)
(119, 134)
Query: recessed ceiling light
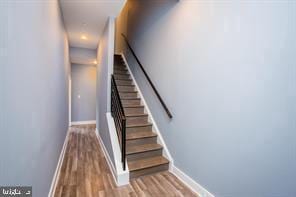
(83, 37)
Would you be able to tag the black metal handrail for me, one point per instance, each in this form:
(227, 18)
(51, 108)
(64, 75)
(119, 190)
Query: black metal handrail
(119, 118)
(148, 78)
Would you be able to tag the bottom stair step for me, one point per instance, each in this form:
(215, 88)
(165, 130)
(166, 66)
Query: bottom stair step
(147, 166)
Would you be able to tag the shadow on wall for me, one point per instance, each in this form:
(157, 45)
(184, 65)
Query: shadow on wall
(154, 11)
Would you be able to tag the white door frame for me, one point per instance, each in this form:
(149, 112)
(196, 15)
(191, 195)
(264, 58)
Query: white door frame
(70, 100)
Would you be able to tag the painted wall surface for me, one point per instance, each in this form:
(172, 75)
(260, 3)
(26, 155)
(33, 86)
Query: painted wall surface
(104, 71)
(34, 73)
(121, 28)
(83, 100)
(83, 56)
(227, 71)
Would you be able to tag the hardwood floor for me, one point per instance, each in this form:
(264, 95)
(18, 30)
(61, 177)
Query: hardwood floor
(85, 173)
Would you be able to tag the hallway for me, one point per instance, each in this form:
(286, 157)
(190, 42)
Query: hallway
(85, 172)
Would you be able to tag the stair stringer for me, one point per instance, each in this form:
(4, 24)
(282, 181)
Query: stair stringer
(155, 129)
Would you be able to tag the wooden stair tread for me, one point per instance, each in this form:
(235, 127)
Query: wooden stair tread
(120, 70)
(132, 135)
(127, 97)
(142, 148)
(132, 98)
(147, 163)
(135, 115)
(117, 68)
(120, 80)
(123, 80)
(121, 74)
(133, 106)
(138, 125)
(127, 91)
(131, 85)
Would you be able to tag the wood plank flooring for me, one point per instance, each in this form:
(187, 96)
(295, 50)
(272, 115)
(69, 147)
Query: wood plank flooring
(85, 173)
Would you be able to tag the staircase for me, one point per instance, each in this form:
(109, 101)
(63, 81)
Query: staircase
(144, 155)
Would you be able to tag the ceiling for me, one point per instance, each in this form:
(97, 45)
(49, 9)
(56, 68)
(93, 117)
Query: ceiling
(85, 20)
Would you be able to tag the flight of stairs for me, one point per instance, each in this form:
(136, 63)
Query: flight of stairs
(144, 155)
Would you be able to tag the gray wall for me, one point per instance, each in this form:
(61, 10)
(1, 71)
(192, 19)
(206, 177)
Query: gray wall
(82, 55)
(34, 69)
(226, 70)
(83, 102)
(104, 71)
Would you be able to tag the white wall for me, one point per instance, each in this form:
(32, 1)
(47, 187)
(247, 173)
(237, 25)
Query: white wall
(34, 72)
(83, 56)
(226, 70)
(83, 92)
(104, 71)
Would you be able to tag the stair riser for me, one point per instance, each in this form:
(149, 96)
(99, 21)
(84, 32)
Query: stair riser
(143, 155)
(137, 120)
(119, 67)
(160, 168)
(131, 102)
(124, 82)
(122, 77)
(117, 57)
(127, 75)
(139, 129)
(121, 72)
(126, 88)
(118, 61)
(128, 95)
(134, 110)
(140, 141)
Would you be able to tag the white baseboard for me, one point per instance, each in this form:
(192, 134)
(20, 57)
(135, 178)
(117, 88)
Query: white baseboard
(109, 161)
(83, 122)
(121, 177)
(58, 169)
(189, 182)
